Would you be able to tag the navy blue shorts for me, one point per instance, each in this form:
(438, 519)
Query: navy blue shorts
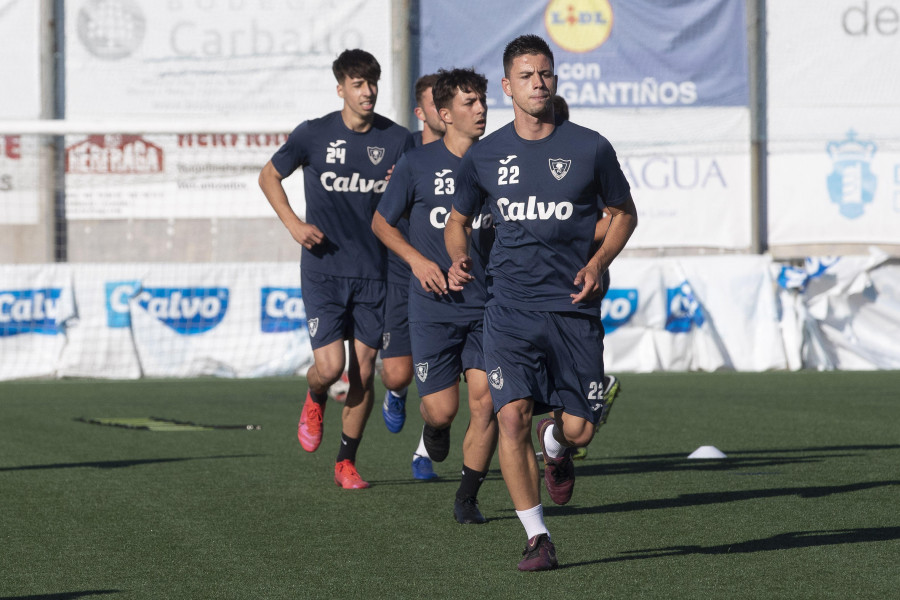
(556, 358)
(395, 339)
(339, 308)
(443, 351)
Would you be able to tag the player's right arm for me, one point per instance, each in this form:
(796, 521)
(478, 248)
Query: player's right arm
(303, 233)
(427, 272)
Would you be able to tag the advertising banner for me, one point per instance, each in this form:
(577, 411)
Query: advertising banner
(174, 176)
(741, 313)
(19, 177)
(99, 340)
(226, 320)
(246, 59)
(36, 303)
(834, 139)
(689, 197)
(608, 53)
(692, 313)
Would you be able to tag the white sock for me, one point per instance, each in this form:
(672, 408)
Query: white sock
(533, 521)
(421, 451)
(399, 393)
(552, 447)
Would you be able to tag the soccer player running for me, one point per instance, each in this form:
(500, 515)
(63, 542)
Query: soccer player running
(396, 351)
(543, 340)
(445, 326)
(345, 156)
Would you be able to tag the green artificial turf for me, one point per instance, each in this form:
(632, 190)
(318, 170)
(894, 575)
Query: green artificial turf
(807, 504)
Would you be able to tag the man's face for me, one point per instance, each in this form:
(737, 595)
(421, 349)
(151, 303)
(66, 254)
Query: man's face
(531, 83)
(359, 95)
(428, 113)
(468, 113)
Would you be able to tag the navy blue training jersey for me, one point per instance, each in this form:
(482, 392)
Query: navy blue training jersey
(423, 186)
(544, 196)
(343, 177)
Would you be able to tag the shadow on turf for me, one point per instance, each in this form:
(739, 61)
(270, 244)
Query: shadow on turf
(737, 460)
(707, 498)
(121, 464)
(782, 541)
(61, 596)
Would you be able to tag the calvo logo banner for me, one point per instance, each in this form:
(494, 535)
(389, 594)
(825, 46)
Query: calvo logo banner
(188, 311)
(617, 308)
(118, 293)
(282, 310)
(30, 311)
(683, 309)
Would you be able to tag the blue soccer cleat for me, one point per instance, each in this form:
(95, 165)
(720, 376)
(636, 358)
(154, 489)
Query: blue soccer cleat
(422, 468)
(394, 411)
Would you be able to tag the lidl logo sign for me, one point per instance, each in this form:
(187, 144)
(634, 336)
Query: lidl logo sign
(578, 25)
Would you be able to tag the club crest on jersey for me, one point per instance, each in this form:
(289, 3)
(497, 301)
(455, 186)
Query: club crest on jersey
(385, 340)
(422, 371)
(559, 167)
(495, 378)
(375, 154)
(313, 326)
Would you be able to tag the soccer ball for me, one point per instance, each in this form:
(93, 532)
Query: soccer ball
(339, 388)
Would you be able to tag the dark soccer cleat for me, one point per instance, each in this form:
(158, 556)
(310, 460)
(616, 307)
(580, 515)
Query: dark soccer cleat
(559, 473)
(393, 409)
(540, 554)
(466, 512)
(437, 442)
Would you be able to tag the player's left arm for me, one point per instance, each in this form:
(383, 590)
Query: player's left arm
(623, 221)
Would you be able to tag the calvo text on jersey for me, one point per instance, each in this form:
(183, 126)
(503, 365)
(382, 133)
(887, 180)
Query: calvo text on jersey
(439, 216)
(334, 183)
(532, 210)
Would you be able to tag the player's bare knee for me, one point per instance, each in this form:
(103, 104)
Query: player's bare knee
(514, 421)
(576, 432)
(396, 377)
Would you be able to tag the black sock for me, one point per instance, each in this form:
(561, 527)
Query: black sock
(320, 398)
(470, 483)
(348, 448)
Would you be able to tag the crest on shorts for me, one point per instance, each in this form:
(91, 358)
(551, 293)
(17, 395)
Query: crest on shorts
(313, 326)
(385, 340)
(495, 378)
(375, 154)
(422, 371)
(559, 167)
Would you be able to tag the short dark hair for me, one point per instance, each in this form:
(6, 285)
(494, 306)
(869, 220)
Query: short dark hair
(422, 84)
(356, 63)
(466, 80)
(522, 45)
(560, 108)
